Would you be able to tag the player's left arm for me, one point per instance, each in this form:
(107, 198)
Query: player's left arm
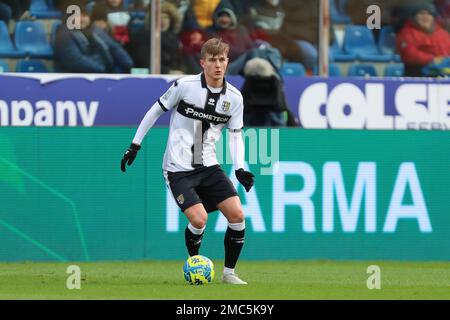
(237, 148)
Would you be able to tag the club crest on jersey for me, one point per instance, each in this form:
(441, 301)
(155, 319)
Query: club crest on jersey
(180, 199)
(211, 102)
(226, 105)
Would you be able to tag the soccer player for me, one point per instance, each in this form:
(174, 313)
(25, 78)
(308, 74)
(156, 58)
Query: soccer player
(203, 105)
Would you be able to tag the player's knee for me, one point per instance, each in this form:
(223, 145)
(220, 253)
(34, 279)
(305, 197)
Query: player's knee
(199, 220)
(237, 216)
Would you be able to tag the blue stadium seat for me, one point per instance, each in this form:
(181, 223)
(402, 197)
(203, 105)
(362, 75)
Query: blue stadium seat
(362, 70)
(3, 66)
(394, 70)
(136, 25)
(359, 40)
(31, 66)
(7, 49)
(336, 54)
(30, 36)
(42, 10)
(137, 14)
(333, 70)
(387, 42)
(293, 69)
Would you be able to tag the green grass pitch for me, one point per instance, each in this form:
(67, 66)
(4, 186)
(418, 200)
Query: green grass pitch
(267, 280)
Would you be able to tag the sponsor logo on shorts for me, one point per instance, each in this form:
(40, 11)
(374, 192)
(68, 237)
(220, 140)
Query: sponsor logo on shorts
(180, 199)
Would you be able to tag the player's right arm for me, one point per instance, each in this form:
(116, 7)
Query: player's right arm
(169, 100)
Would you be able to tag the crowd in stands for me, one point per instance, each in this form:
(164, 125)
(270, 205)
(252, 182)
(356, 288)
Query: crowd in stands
(92, 49)
(421, 30)
(115, 36)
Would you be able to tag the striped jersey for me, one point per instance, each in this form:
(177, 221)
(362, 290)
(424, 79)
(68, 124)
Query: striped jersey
(201, 112)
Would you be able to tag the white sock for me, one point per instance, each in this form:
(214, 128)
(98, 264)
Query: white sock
(195, 230)
(227, 271)
(239, 226)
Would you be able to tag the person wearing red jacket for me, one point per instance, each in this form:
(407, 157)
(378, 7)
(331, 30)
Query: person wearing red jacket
(422, 41)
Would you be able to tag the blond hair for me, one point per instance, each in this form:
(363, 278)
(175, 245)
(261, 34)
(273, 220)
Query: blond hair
(214, 47)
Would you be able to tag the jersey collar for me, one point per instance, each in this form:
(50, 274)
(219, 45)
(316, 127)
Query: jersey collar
(204, 85)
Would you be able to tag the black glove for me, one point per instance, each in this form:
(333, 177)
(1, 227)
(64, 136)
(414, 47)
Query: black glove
(129, 156)
(245, 178)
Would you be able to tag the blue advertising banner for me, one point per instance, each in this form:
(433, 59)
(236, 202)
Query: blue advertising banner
(318, 103)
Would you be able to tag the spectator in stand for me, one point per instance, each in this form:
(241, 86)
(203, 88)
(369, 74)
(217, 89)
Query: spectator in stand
(264, 98)
(422, 41)
(89, 50)
(227, 28)
(138, 5)
(265, 20)
(182, 7)
(198, 16)
(265, 17)
(303, 13)
(62, 5)
(5, 12)
(201, 12)
(264, 51)
(400, 11)
(171, 55)
(240, 8)
(118, 18)
(192, 41)
(99, 18)
(204, 10)
(14, 9)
